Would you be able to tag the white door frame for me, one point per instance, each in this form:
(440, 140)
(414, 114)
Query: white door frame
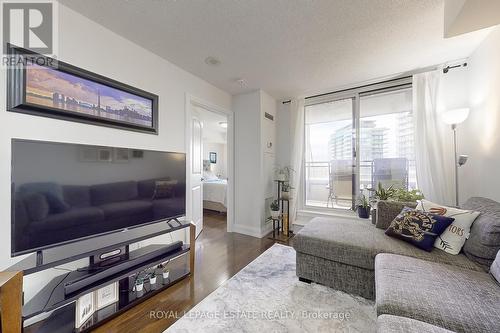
(192, 101)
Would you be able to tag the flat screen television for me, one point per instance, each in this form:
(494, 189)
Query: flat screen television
(64, 192)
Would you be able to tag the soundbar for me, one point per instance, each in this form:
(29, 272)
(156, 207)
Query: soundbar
(129, 260)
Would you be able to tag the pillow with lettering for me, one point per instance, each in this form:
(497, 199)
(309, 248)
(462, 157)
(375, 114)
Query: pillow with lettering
(418, 228)
(453, 238)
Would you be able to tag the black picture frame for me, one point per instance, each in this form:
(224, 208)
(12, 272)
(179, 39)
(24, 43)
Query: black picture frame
(17, 102)
(213, 157)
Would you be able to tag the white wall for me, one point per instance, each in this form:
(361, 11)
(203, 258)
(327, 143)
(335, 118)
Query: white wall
(479, 135)
(219, 168)
(86, 44)
(253, 160)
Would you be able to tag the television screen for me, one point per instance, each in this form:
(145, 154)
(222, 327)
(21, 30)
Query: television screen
(65, 192)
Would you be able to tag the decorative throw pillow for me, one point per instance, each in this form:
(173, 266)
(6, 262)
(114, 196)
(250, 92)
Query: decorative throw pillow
(453, 238)
(56, 204)
(418, 228)
(164, 189)
(495, 267)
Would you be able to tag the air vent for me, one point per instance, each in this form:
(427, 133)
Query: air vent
(269, 116)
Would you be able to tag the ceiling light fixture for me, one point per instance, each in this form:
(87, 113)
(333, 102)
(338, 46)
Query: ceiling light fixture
(223, 124)
(212, 61)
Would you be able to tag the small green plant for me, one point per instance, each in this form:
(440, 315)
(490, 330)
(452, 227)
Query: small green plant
(286, 187)
(285, 172)
(275, 206)
(403, 195)
(362, 201)
(382, 193)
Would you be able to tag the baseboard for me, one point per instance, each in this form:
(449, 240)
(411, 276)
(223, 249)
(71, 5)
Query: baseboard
(252, 231)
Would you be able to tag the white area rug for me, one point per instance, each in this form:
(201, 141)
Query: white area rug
(266, 296)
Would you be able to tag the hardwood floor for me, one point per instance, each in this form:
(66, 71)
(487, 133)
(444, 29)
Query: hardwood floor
(219, 256)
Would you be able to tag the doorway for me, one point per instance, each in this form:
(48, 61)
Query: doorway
(209, 164)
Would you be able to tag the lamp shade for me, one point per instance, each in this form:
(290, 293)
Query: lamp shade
(456, 116)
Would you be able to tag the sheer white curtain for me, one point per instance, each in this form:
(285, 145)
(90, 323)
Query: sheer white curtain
(297, 150)
(433, 156)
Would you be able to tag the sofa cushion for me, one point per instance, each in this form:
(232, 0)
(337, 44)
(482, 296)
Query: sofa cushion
(113, 192)
(418, 228)
(453, 238)
(357, 242)
(457, 299)
(484, 240)
(395, 324)
(72, 218)
(77, 195)
(126, 208)
(495, 268)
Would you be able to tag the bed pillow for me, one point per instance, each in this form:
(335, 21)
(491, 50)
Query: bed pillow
(418, 228)
(453, 238)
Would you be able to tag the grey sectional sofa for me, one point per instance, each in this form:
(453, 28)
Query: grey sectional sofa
(415, 290)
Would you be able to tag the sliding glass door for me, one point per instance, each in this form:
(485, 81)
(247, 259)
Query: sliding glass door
(329, 146)
(356, 140)
(386, 149)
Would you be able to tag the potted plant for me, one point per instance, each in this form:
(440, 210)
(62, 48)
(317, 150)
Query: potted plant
(363, 207)
(285, 191)
(379, 194)
(403, 195)
(152, 278)
(139, 284)
(275, 209)
(284, 174)
(164, 271)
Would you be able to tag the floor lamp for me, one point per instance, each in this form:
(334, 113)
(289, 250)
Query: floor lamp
(453, 118)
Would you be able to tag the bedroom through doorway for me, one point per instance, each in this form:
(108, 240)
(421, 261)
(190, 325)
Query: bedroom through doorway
(215, 167)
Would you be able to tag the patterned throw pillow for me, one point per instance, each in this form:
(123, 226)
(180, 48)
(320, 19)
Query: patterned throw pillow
(418, 228)
(164, 189)
(453, 238)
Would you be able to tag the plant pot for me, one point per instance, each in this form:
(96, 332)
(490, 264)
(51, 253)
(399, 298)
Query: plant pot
(166, 274)
(275, 214)
(285, 195)
(139, 287)
(363, 212)
(374, 216)
(152, 280)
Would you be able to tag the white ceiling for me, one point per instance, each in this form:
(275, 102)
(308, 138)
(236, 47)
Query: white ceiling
(212, 131)
(286, 47)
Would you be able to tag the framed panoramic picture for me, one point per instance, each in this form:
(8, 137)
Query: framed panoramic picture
(43, 86)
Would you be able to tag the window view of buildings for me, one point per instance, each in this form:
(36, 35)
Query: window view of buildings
(386, 150)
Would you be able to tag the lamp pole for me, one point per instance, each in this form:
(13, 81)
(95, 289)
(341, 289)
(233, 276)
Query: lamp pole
(454, 129)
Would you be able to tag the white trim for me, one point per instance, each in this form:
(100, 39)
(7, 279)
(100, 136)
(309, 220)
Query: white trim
(198, 102)
(252, 231)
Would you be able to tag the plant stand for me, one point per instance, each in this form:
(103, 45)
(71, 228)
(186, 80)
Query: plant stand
(282, 224)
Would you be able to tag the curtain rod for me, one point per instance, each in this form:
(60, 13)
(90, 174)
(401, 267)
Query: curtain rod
(445, 70)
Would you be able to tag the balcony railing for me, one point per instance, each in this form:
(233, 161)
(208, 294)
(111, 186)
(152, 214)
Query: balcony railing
(318, 191)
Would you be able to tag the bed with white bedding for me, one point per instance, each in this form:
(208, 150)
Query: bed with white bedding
(215, 194)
